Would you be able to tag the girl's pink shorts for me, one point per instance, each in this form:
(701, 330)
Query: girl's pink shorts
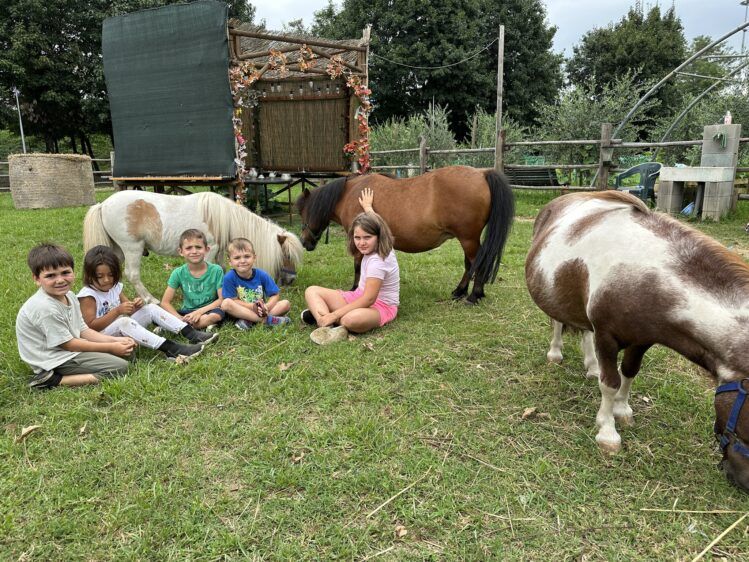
(388, 312)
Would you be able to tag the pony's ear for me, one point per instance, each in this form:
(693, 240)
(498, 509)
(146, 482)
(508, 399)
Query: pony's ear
(305, 192)
(281, 238)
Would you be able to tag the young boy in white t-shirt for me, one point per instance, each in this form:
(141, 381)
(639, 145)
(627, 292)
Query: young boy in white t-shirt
(52, 337)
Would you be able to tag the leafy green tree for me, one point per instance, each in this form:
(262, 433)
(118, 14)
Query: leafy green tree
(532, 73)
(241, 10)
(424, 52)
(51, 51)
(649, 45)
(580, 112)
(711, 65)
(295, 26)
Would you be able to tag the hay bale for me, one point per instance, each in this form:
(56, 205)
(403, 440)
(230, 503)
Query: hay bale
(47, 181)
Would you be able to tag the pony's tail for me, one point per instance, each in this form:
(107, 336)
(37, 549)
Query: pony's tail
(94, 233)
(501, 214)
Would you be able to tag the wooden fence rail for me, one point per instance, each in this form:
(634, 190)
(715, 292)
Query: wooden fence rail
(605, 166)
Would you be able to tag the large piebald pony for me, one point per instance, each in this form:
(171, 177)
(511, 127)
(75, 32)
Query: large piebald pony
(630, 278)
(134, 221)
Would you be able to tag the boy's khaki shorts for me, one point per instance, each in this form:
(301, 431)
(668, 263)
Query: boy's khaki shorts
(101, 365)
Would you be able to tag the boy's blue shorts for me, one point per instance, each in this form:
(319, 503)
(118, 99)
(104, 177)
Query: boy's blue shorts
(216, 310)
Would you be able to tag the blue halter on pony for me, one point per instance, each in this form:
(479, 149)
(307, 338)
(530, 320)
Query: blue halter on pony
(733, 418)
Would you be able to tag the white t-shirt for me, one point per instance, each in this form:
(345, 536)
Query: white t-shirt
(43, 324)
(372, 265)
(104, 301)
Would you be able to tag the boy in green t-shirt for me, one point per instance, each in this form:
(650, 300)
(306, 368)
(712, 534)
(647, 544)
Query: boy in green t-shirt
(199, 281)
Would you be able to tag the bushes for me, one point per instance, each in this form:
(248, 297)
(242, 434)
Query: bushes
(433, 124)
(400, 133)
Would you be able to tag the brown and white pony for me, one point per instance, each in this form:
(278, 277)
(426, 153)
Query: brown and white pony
(630, 278)
(132, 222)
(423, 212)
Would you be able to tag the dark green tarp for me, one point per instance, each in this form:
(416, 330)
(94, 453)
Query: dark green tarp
(167, 74)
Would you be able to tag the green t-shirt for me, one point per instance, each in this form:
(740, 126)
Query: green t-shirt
(197, 291)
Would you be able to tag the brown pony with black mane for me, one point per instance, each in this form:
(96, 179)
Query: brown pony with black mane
(423, 212)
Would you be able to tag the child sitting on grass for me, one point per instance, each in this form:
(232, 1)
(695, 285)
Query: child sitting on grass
(52, 337)
(250, 294)
(200, 283)
(107, 309)
(375, 301)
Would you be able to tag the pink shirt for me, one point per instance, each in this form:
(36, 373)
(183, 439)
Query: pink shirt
(374, 266)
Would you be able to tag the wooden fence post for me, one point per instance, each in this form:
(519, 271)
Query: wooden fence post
(606, 153)
(498, 151)
(474, 127)
(423, 154)
(115, 184)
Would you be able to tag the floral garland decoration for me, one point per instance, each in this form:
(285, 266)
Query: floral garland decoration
(358, 148)
(306, 58)
(243, 75)
(241, 78)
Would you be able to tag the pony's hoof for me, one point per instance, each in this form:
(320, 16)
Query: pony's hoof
(593, 375)
(609, 448)
(627, 420)
(456, 296)
(554, 357)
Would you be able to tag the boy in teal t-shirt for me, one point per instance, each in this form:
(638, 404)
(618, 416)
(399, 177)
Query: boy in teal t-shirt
(199, 281)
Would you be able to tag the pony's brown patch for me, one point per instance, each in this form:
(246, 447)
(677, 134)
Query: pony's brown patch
(143, 222)
(566, 298)
(585, 225)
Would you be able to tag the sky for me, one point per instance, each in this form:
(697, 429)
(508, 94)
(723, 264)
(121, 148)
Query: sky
(573, 18)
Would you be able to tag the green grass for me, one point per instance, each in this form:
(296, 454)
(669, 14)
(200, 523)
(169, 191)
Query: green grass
(268, 447)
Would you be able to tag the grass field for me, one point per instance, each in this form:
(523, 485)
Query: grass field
(404, 444)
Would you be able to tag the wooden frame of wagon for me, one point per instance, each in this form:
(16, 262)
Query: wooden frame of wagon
(268, 136)
(301, 96)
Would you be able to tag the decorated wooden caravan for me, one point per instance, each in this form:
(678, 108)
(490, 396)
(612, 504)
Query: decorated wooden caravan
(197, 99)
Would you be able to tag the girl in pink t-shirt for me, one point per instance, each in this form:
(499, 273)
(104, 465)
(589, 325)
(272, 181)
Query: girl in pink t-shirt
(375, 301)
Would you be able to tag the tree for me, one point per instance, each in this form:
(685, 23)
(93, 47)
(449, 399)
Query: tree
(580, 111)
(717, 62)
(241, 10)
(533, 74)
(51, 50)
(650, 46)
(424, 52)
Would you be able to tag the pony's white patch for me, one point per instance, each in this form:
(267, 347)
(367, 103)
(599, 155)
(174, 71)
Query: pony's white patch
(219, 218)
(617, 249)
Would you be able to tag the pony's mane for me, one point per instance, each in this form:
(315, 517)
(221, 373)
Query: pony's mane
(616, 199)
(227, 220)
(321, 202)
(704, 261)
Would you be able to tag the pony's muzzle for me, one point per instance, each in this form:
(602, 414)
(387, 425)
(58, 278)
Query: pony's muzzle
(287, 277)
